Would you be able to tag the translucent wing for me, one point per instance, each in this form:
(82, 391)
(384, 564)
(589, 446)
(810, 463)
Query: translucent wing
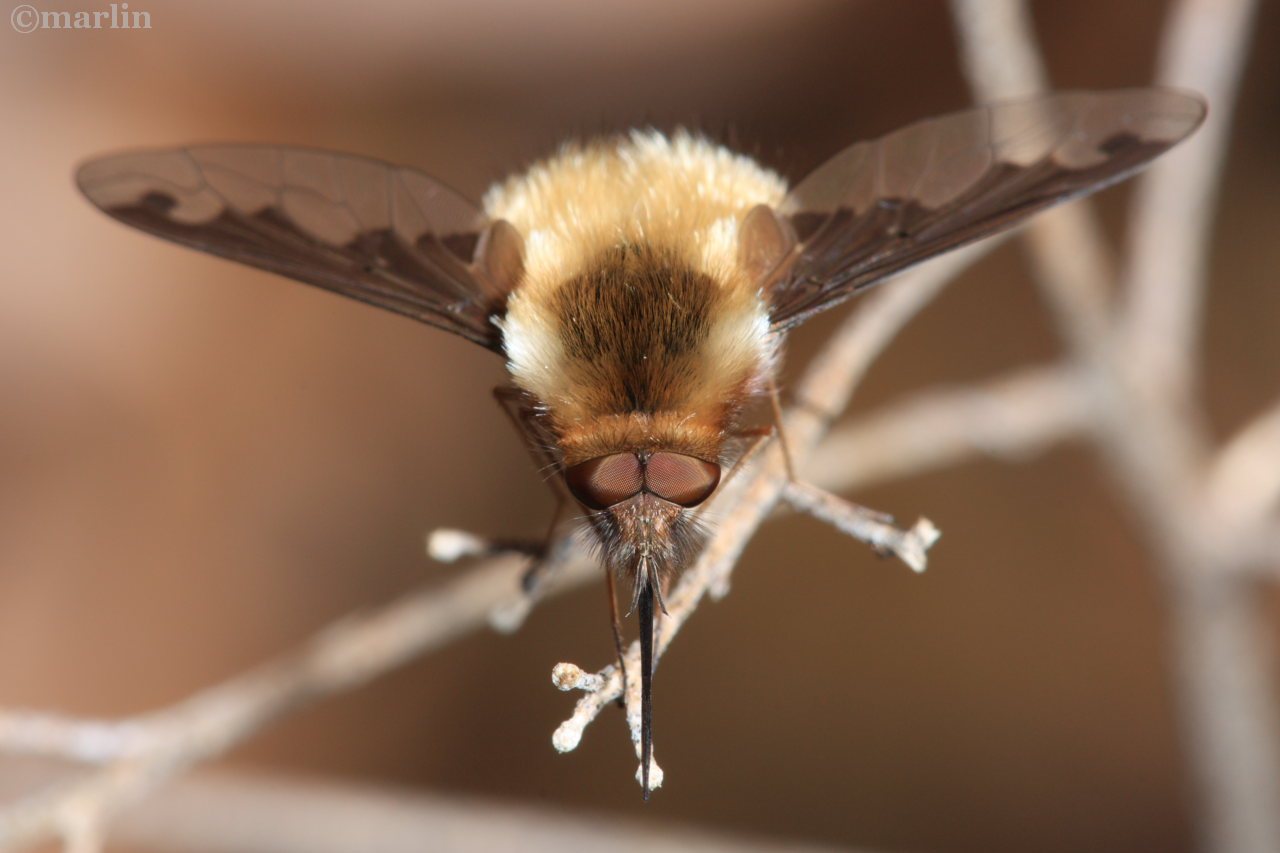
(879, 207)
(388, 236)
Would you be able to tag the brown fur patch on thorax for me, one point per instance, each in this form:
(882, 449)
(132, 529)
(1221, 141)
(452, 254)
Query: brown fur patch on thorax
(634, 328)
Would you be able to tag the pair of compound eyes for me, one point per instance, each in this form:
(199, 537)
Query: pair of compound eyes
(608, 480)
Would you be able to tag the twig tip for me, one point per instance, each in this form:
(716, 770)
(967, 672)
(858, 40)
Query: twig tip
(447, 545)
(570, 676)
(655, 776)
(916, 542)
(569, 734)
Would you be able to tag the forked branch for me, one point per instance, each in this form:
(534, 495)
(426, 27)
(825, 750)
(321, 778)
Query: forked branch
(138, 755)
(1208, 515)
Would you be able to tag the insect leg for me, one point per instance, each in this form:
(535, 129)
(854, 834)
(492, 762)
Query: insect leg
(619, 644)
(843, 513)
(758, 438)
(451, 545)
(775, 403)
(539, 441)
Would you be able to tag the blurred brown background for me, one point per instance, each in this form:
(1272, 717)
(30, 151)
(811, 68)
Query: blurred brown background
(200, 464)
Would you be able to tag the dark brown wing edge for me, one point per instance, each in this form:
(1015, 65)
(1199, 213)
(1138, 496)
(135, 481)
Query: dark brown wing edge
(879, 207)
(385, 235)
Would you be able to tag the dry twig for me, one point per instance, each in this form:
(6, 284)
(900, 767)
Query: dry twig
(1207, 518)
(140, 754)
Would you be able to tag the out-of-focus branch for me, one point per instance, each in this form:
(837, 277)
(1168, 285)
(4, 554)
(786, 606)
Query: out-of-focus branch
(1203, 49)
(1139, 373)
(1068, 255)
(1001, 61)
(159, 745)
(1244, 482)
(835, 373)
(1223, 671)
(73, 738)
(1009, 418)
(998, 51)
(234, 812)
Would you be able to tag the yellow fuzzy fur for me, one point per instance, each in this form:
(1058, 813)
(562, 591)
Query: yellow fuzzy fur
(680, 194)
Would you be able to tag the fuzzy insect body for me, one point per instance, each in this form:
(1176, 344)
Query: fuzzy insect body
(639, 286)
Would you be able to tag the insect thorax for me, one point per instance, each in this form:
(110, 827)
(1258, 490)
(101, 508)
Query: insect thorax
(641, 338)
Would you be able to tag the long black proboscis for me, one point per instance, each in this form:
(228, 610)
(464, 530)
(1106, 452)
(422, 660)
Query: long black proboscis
(646, 681)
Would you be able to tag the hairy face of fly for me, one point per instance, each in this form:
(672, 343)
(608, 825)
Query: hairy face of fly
(641, 505)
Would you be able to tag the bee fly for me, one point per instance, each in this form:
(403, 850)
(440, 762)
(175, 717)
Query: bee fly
(639, 286)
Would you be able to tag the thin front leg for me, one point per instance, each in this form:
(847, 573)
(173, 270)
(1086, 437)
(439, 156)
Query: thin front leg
(542, 553)
(451, 545)
(758, 438)
(540, 442)
(619, 643)
(775, 403)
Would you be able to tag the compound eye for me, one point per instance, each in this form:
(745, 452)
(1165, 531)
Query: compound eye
(684, 480)
(607, 480)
